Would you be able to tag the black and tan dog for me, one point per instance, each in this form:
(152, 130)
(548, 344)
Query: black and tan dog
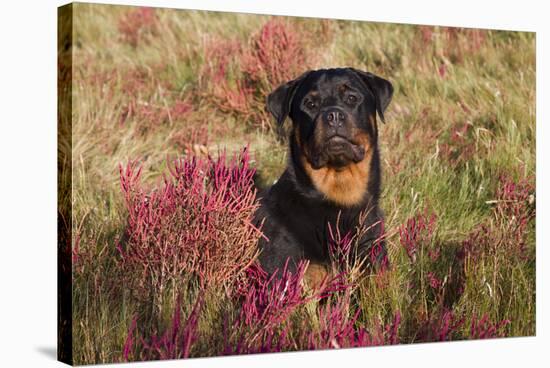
(333, 166)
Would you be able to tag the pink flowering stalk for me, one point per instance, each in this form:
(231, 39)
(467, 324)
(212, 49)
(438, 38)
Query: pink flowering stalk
(483, 328)
(513, 213)
(174, 343)
(267, 303)
(197, 223)
(238, 77)
(130, 343)
(344, 249)
(340, 247)
(417, 233)
(515, 210)
(228, 95)
(266, 307)
(276, 55)
(135, 23)
(434, 282)
(338, 328)
(444, 325)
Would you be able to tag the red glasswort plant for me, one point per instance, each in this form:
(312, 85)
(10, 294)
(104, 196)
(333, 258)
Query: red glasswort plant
(274, 57)
(267, 304)
(135, 23)
(446, 46)
(515, 209)
(175, 343)
(196, 223)
(513, 212)
(150, 115)
(460, 42)
(230, 96)
(482, 328)
(339, 247)
(460, 146)
(434, 281)
(147, 99)
(444, 325)
(344, 249)
(447, 326)
(239, 77)
(417, 233)
(337, 328)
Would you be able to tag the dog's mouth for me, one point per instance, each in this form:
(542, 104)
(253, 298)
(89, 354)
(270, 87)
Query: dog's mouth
(337, 152)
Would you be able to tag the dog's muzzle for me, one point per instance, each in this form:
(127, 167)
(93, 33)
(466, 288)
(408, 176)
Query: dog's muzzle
(335, 147)
(338, 152)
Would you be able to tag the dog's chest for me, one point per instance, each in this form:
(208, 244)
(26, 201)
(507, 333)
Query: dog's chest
(309, 227)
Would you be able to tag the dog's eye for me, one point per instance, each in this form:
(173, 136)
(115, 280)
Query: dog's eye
(351, 99)
(311, 105)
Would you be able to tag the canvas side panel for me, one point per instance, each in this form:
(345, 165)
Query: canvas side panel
(64, 184)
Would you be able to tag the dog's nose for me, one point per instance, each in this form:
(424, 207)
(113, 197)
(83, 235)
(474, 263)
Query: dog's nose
(335, 118)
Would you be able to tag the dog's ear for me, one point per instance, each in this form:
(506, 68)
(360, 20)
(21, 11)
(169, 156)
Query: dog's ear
(381, 88)
(279, 101)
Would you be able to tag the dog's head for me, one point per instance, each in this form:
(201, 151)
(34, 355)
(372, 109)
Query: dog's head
(333, 112)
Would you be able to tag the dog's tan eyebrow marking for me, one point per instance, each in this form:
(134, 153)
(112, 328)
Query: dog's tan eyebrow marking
(312, 94)
(345, 87)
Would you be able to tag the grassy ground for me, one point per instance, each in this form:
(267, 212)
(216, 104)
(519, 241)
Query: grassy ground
(459, 143)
